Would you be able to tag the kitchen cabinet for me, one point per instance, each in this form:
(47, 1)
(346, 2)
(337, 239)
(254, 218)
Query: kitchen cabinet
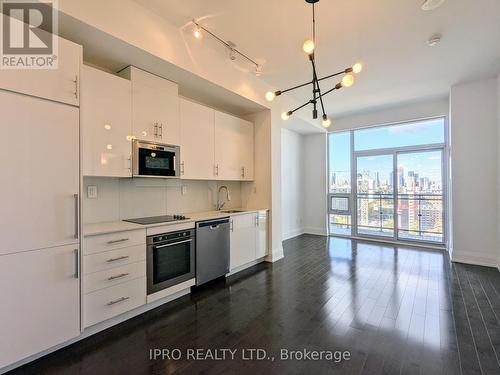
(197, 141)
(114, 268)
(233, 148)
(60, 85)
(155, 107)
(242, 239)
(106, 124)
(261, 234)
(40, 298)
(39, 160)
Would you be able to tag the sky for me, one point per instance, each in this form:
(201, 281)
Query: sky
(426, 164)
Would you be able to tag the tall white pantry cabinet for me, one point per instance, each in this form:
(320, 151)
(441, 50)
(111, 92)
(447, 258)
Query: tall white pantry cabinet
(39, 224)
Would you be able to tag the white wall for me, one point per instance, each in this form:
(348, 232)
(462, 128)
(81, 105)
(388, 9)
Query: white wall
(498, 183)
(128, 198)
(314, 174)
(406, 112)
(474, 155)
(292, 189)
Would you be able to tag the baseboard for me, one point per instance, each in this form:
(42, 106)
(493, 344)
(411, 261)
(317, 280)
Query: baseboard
(479, 259)
(315, 231)
(275, 255)
(292, 234)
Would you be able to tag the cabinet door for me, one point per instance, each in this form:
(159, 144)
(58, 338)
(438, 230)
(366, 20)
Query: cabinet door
(197, 141)
(261, 240)
(227, 147)
(40, 298)
(155, 107)
(106, 124)
(247, 150)
(61, 84)
(39, 160)
(243, 237)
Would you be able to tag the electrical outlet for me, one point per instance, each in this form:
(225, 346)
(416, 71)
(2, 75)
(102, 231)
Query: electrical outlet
(92, 191)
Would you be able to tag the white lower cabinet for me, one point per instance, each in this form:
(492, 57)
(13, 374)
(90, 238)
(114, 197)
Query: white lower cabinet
(40, 301)
(113, 301)
(114, 281)
(248, 238)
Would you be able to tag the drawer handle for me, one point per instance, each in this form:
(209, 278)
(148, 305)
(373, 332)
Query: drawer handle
(117, 259)
(121, 299)
(117, 276)
(118, 241)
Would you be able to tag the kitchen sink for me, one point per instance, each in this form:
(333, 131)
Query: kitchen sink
(231, 211)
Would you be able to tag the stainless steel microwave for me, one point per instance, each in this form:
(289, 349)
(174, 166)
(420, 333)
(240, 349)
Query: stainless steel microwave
(155, 160)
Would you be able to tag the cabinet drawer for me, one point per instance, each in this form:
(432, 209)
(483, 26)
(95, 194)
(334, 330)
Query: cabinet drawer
(107, 303)
(105, 242)
(114, 258)
(114, 276)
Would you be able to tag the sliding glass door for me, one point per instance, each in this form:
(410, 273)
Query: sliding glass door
(420, 195)
(375, 195)
(388, 182)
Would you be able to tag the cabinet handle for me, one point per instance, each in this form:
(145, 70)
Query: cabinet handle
(243, 172)
(117, 259)
(111, 278)
(76, 86)
(76, 254)
(117, 241)
(182, 168)
(121, 299)
(156, 129)
(77, 216)
(129, 159)
(231, 225)
(257, 220)
(216, 169)
(161, 130)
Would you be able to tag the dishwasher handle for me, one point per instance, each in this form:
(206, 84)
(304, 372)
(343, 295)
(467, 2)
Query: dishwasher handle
(213, 224)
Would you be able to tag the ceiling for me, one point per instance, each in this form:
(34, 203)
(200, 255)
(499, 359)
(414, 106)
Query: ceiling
(388, 36)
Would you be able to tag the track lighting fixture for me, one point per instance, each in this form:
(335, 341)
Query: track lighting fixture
(309, 47)
(233, 52)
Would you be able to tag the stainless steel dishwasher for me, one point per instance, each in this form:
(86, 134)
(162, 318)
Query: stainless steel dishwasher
(212, 249)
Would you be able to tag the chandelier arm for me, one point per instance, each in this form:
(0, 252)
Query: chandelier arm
(315, 78)
(337, 87)
(295, 87)
(348, 70)
(299, 107)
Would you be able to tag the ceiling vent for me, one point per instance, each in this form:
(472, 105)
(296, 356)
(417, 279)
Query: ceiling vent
(432, 4)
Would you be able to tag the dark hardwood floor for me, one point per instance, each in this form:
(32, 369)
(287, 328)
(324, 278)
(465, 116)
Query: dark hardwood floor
(396, 310)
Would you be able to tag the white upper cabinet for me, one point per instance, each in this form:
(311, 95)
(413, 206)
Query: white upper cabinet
(197, 141)
(233, 148)
(40, 299)
(61, 84)
(247, 150)
(106, 124)
(39, 161)
(155, 107)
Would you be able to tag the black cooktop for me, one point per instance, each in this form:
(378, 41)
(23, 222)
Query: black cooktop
(157, 219)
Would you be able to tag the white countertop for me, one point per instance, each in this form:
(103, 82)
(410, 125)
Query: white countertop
(121, 226)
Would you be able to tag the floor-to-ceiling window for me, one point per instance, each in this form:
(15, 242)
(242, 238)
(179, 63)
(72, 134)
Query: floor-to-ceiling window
(389, 182)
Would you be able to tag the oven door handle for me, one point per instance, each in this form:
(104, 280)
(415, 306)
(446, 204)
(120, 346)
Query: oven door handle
(172, 244)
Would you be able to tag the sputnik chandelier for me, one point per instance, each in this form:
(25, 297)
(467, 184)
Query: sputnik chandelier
(309, 48)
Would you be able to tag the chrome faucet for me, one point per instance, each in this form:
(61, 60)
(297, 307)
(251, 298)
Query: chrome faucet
(219, 204)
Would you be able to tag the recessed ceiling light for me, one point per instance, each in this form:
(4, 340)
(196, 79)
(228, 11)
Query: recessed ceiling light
(434, 40)
(432, 4)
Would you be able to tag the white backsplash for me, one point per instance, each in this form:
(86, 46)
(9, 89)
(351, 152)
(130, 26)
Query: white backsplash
(125, 198)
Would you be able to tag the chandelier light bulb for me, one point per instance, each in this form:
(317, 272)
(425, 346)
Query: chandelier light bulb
(357, 68)
(285, 116)
(270, 96)
(326, 122)
(197, 33)
(348, 80)
(308, 47)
